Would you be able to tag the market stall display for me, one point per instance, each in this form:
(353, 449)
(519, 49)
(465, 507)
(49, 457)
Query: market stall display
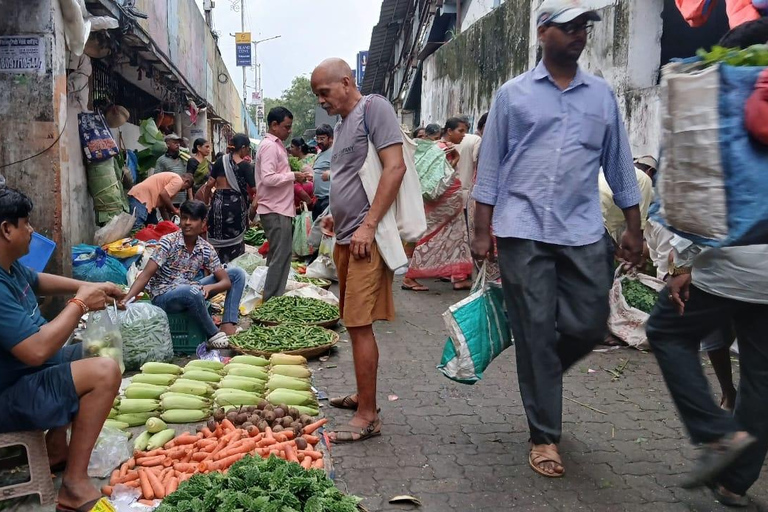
(296, 310)
(317, 281)
(255, 237)
(306, 340)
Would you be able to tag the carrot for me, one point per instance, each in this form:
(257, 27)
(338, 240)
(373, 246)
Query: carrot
(225, 463)
(167, 472)
(227, 425)
(268, 434)
(131, 463)
(314, 426)
(187, 457)
(307, 463)
(318, 464)
(152, 453)
(106, 490)
(124, 469)
(134, 483)
(185, 476)
(129, 477)
(150, 461)
(185, 467)
(148, 503)
(203, 443)
(113, 478)
(314, 455)
(157, 486)
(313, 440)
(185, 439)
(146, 487)
(199, 456)
(206, 432)
(281, 437)
(171, 486)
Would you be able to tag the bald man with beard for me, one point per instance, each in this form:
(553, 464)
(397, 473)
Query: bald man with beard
(365, 281)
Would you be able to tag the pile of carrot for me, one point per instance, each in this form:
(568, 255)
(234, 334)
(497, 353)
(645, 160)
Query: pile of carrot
(158, 473)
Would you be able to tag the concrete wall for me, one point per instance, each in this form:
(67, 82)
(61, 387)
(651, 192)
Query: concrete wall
(33, 114)
(473, 10)
(463, 76)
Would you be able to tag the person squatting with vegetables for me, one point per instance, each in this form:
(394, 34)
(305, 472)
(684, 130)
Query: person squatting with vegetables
(274, 182)
(176, 281)
(45, 385)
(712, 291)
(157, 192)
(548, 133)
(365, 281)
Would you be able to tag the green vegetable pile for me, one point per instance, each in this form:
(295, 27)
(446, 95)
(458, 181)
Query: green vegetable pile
(755, 55)
(295, 310)
(638, 295)
(258, 485)
(295, 164)
(282, 338)
(255, 237)
(317, 281)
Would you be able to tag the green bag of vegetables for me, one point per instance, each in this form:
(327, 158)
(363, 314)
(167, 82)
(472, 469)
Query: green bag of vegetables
(631, 299)
(146, 335)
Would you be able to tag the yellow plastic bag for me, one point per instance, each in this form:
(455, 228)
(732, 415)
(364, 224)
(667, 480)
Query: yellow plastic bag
(125, 248)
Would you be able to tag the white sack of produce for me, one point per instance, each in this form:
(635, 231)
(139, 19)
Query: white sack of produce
(627, 322)
(146, 335)
(111, 450)
(313, 292)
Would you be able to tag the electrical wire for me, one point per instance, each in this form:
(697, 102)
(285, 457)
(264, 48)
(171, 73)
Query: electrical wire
(3, 166)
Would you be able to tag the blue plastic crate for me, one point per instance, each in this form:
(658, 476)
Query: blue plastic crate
(40, 252)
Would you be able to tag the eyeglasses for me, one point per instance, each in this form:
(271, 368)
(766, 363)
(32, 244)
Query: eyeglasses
(572, 27)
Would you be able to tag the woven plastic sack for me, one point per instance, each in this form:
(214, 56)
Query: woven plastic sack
(302, 227)
(625, 322)
(435, 173)
(478, 330)
(94, 265)
(106, 190)
(146, 335)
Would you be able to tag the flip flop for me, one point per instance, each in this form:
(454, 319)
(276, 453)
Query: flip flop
(85, 507)
(345, 434)
(346, 402)
(545, 453)
(727, 499)
(416, 288)
(714, 460)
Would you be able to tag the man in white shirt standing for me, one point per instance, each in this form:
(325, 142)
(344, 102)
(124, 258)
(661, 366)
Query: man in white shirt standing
(469, 151)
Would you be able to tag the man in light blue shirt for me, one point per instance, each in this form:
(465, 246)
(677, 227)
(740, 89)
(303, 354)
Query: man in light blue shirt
(322, 169)
(548, 133)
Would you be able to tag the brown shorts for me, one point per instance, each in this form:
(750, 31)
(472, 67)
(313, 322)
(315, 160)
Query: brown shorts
(365, 288)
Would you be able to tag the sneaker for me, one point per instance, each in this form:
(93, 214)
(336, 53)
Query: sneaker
(219, 340)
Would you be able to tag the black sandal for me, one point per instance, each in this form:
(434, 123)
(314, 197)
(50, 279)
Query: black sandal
(346, 402)
(715, 459)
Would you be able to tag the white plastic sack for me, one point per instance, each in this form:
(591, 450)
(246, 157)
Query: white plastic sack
(257, 280)
(311, 291)
(116, 229)
(77, 24)
(323, 268)
(111, 450)
(624, 321)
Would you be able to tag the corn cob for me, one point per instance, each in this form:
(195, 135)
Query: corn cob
(132, 405)
(155, 425)
(250, 360)
(291, 397)
(233, 382)
(281, 381)
(115, 402)
(116, 424)
(185, 415)
(136, 419)
(144, 391)
(160, 368)
(237, 397)
(140, 443)
(291, 370)
(244, 370)
(191, 387)
(112, 414)
(214, 366)
(277, 359)
(202, 375)
(309, 411)
(178, 401)
(157, 379)
(158, 440)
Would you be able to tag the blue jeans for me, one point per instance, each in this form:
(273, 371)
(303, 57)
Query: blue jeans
(142, 214)
(190, 299)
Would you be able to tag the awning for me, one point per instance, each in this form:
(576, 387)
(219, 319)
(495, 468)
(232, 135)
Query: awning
(383, 40)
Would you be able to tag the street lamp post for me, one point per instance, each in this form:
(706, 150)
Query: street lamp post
(257, 68)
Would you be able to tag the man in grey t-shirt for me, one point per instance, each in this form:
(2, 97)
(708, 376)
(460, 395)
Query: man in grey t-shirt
(171, 162)
(365, 281)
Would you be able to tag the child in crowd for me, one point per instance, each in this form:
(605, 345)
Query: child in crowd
(176, 276)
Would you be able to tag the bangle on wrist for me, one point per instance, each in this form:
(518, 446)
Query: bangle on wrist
(79, 303)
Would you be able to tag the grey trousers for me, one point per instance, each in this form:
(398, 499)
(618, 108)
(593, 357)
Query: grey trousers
(279, 231)
(557, 302)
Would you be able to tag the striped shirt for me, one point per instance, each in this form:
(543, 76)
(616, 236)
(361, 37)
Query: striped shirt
(541, 153)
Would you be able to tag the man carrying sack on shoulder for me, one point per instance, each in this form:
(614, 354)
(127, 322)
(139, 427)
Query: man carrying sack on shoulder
(360, 204)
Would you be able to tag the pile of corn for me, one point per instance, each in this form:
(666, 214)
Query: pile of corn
(289, 383)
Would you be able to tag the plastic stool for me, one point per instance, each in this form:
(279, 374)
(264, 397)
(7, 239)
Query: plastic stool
(40, 482)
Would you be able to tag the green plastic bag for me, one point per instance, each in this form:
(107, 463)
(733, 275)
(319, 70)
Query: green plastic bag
(435, 173)
(302, 226)
(479, 332)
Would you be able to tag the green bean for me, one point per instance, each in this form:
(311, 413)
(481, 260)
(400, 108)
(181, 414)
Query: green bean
(298, 310)
(282, 338)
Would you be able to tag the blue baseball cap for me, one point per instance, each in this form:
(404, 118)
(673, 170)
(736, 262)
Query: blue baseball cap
(563, 11)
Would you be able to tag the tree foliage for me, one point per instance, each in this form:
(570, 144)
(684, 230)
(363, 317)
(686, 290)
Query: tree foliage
(300, 100)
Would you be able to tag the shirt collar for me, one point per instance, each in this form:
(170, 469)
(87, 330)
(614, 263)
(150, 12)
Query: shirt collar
(272, 137)
(180, 242)
(541, 72)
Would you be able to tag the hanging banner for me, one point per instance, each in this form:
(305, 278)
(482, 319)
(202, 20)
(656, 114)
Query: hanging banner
(362, 62)
(243, 48)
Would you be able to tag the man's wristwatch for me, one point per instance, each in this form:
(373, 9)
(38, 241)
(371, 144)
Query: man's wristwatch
(678, 271)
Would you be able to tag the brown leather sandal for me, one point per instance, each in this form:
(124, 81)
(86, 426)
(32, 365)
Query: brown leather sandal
(346, 402)
(346, 433)
(545, 453)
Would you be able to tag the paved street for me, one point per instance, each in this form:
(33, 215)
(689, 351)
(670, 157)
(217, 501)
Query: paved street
(458, 447)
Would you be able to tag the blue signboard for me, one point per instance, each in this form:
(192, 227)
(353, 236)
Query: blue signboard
(243, 53)
(362, 62)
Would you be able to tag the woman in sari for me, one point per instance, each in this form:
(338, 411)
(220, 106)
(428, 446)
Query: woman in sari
(444, 252)
(198, 164)
(228, 215)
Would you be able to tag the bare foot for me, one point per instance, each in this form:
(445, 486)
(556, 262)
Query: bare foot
(462, 285)
(56, 445)
(545, 459)
(413, 285)
(75, 494)
(228, 329)
(357, 429)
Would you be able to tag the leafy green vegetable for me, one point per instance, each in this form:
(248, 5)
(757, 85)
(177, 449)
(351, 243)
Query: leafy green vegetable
(258, 485)
(755, 55)
(295, 163)
(255, 237)
(638, 295)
